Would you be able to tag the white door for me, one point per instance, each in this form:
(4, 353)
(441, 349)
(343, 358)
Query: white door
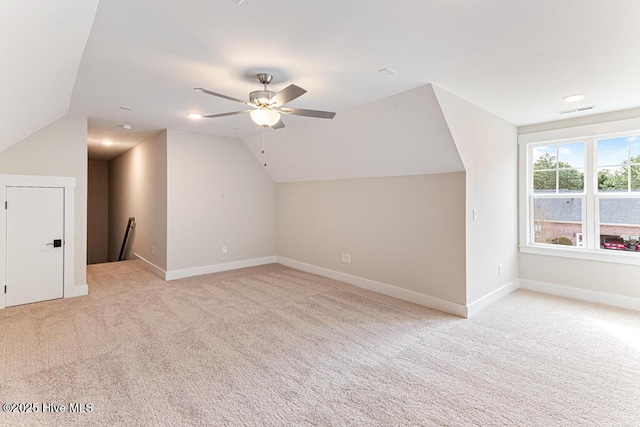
(35, 254)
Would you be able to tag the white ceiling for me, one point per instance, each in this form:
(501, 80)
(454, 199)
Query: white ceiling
(41, 44)
(121, 140)
(516, 59)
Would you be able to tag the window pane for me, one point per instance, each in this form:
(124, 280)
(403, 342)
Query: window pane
(571, 180)
(557, 221)
(613, 152)
(544, 182)
(635, 178)
(613, 179)
(571, 155)
(634, 146)
(620, 224)
(544, 157)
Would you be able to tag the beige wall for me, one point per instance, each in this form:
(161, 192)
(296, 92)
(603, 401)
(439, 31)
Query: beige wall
(59, 149)
(138, 187)
(405, 231)
(218, 194)
(598, 276)
(488, 148)
(98, 212)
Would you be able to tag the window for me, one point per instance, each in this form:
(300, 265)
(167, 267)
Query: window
(619, 164)
(558, 171)
(558, 168)
(618, 200)
(585, 194)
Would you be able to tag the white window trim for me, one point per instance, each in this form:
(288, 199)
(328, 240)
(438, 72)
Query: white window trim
(562, 136)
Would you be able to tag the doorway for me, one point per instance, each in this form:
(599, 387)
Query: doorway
(35, 255)
(36, 239)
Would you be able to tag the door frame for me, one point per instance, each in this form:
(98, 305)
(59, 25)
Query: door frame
(68, 184)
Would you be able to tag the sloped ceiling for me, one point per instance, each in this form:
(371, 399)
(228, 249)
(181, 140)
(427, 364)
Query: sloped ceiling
(404, 134)
(41, 45)
(516, 59)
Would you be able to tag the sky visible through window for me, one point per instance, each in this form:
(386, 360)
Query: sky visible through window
(571, 154)
(610, 152)
(615, 151)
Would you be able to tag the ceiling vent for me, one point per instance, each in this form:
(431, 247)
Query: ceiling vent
(577, 110)
(386, 71)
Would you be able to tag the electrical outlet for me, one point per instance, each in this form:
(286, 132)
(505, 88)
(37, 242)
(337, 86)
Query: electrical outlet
(346, 258)
(475, 214)
(499, 269)
(224, 249)
(153, 250)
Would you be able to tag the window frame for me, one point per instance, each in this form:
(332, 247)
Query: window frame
(589, 134)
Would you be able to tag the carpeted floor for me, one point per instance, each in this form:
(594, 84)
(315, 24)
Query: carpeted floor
(275, 346)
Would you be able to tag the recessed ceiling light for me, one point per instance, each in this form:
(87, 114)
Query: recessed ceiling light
(386, 71)
(122, 107)
(107, 142)
(237, 1)
(194, 116)
(574, 98)
(235, 128)
(125, 127)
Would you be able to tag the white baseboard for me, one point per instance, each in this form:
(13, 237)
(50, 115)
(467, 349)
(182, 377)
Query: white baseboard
(476, 306)
(152, 267)
(216, 268)
(582, 294)
(80, 290)
(382, 288)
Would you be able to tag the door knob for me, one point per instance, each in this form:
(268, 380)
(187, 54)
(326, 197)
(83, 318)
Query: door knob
(56, 243)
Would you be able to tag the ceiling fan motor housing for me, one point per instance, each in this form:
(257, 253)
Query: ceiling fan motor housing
(261, 97)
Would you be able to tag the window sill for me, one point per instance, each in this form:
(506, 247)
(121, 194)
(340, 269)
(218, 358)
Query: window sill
(617, 257)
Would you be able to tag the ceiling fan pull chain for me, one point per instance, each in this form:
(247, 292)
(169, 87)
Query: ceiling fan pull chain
(264, 144)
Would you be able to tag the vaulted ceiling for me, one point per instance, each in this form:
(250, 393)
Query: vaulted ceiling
(516, 59)
(41, 45)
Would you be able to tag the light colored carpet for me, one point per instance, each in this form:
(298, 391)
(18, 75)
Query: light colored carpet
(275, 346)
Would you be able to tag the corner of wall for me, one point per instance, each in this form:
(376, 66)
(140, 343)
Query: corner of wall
(58, 149)
(488, 148)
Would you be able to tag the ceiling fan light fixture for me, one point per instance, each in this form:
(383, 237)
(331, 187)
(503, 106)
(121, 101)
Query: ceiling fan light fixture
(265, 117)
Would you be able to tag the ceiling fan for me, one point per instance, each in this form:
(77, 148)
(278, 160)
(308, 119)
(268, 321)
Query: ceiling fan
(267, 107)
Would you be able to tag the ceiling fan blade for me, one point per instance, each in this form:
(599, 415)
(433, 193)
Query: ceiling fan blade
(279, 125)
(287, 94)
(233, 113)
(219, 95)
(308, 113)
